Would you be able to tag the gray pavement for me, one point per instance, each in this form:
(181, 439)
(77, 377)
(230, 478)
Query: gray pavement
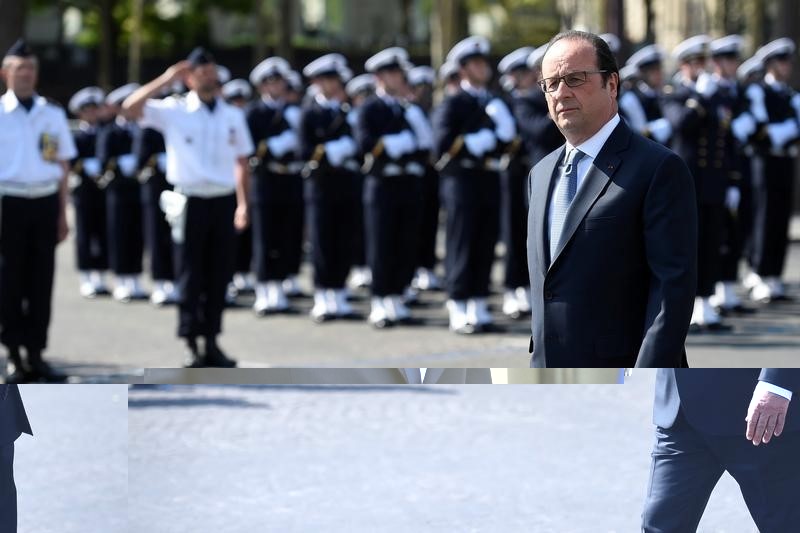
(72, 476)
(555, 458)
(103, 340)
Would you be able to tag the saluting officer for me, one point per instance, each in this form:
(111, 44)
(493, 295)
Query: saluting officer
(36, 147)
(471, 129)
(88, 198)
(277, 188)
(641, 104)
(421, 80)
(123, 199)
(151, 162)
(775, 109)
(328, 148)
(392, 186)
(207, 143)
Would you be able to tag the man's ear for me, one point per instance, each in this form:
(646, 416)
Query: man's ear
(614, 80)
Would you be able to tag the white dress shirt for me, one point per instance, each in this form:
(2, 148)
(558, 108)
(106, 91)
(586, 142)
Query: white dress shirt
(202, 146)
(33, 143)
(591, 147)
(416, 376)
(780, 391)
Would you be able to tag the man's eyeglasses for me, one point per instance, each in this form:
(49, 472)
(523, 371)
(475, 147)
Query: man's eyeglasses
(573, 79)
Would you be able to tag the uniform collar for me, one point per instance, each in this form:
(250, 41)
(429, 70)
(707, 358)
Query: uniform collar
(594, 144)
(193, 102)
(478, 92)
(270, 102)
(770, 80)
(333, 103)
(10, 101)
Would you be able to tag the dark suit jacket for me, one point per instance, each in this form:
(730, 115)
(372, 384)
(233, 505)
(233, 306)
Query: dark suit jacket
(13, 420)
(619, 291)
(715, 401)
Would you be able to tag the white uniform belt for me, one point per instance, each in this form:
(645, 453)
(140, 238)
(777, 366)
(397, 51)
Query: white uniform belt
(28, 190)
(205, 190)
(294, 167)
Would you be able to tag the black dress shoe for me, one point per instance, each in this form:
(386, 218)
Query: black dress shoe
(718, 327)
(216, 357)
(383, 323)
(41, 371)
(16, 371)
(193, 358)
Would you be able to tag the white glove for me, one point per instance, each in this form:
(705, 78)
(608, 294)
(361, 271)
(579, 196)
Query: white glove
(339, 150)
(91, 166)
(161, 162)
(280, 144)
(706, 84)
(633, 111)
(398, 144)
(127, 164)
(796, 104)
(661, 129)
(743, 127)
(505, 129)
(480, 142)
(757, 106)
(422, 128)
(732, 198)
(173, 205)
(782, 132)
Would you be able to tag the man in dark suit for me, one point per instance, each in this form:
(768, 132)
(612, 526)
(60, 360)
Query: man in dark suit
(705, 427)
(13, 423)
(612, 227)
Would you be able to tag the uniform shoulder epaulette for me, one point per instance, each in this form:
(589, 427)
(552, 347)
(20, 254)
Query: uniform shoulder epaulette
(668, 89)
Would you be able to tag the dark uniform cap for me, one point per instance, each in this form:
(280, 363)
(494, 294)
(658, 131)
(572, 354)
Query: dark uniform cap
(200, 56)
(19, 49)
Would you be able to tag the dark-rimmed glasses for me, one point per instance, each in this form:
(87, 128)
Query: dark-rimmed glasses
(573, 79)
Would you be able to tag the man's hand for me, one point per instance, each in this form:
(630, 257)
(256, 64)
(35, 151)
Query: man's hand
(178, 70)
(765, 417)
(241, 218)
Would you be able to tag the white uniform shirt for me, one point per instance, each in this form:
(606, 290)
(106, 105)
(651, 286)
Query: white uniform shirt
(202, 146)
(33, 143)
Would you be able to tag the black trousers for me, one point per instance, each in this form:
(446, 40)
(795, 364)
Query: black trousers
(124, 215)
(514, 226)
(429, 219)
(687, 464)
(773, 180)
(28, 234)
(359, 236)
(710, 230)
(244, 249)
(735, 234)
(90, 226)
(157, 236)
(205, 261)
(472, 227)
(391, 216)
(277, 202)
(332, 226)
(8, 491)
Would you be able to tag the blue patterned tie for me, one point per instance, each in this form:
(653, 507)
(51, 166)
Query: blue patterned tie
(565, 191)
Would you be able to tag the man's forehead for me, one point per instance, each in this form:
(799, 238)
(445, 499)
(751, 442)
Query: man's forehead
(569, 54)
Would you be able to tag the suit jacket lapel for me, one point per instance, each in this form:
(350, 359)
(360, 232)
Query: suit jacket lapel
(595, 182)
(540, 198)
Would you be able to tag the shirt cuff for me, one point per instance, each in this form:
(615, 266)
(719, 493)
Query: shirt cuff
(769, 387)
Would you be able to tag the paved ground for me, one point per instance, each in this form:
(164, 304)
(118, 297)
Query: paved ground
(104, 340)
(555, 458)
(72, 477)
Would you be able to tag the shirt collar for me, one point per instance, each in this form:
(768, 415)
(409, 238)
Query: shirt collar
(270, 102)
(770, 80)
(193, 102)
(594, 144)
(11, 102)
(332, 103)
(471, 89)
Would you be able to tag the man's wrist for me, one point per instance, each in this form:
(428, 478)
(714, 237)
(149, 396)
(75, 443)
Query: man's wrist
(770, 387)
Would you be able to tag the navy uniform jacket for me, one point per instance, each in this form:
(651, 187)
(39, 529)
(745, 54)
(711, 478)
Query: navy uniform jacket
(376, 118)
(459, 114)
(702, 137)
(266, 121)
(113, 140)
(620, 291)
(539, 133)
(318, 125)
(779, 109)
(715, 401)
(147, 143)
(13, 419)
